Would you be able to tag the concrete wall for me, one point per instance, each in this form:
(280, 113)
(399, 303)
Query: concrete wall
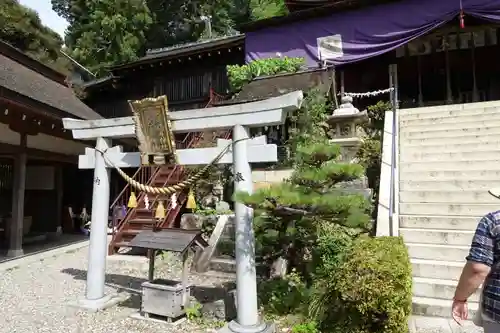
(264, 178)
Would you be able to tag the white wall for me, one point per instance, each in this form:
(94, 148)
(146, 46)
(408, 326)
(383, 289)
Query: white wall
(42, 142)
(261, 178)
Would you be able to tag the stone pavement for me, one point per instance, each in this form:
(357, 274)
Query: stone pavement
(420, 324)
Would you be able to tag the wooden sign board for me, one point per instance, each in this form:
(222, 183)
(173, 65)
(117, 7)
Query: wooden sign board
(174, 240)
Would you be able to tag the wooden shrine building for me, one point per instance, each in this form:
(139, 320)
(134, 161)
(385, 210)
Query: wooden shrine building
(192, 76)
(444, 53)
(38, 158)
(186, 74)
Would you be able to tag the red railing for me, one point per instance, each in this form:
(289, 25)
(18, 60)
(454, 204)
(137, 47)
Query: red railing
(146, 175)
(214, 98)
(179, 170)
(188, 141)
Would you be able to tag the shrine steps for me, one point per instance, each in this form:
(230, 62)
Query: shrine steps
(141, 218)
(448, 158)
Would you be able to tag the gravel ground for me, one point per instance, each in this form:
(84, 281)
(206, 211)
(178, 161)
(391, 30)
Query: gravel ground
(34, 297)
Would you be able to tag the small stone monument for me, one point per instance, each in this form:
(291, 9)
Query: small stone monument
(213, 200)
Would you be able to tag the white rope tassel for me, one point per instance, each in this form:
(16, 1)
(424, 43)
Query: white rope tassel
(146, 201)
(173, 200)
(368, 94)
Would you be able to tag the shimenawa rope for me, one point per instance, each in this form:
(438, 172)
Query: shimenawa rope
(172, 188)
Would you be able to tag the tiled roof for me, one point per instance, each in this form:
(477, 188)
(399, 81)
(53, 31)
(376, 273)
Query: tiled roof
(23, 80)
(184, 49)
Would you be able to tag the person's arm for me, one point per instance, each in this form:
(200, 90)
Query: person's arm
(479, 260)
(472, 276)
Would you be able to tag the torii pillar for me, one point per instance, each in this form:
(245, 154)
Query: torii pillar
(240, 117)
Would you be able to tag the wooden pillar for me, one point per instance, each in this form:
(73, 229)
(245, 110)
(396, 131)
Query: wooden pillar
(449, 93)
(419, 72)
(342, 83)
(16, 225)
(60, 194)
(475, 92)
(59, 188)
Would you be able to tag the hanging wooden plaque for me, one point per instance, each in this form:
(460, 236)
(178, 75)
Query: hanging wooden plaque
(154, 131)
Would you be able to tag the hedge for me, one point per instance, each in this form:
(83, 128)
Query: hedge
(370, 292)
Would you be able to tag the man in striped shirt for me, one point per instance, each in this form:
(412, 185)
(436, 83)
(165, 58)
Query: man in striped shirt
(483, 266)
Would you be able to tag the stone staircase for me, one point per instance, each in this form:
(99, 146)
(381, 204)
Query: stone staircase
(449, 156)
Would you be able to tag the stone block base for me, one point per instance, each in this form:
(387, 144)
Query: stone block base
(100, 304)
(234, 327)
(13, 253)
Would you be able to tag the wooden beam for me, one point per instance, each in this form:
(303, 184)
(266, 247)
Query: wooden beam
(22, 119)
(11, 150)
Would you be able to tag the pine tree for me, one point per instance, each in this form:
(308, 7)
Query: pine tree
(289, 216)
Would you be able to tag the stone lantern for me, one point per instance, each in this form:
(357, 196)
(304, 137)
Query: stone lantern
(346, 131)
(345, 128)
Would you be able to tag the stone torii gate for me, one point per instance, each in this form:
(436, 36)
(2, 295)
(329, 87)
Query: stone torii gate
(239, 117)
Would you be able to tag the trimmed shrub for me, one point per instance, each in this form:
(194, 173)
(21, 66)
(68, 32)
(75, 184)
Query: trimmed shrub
(370, 292)
(283, 295)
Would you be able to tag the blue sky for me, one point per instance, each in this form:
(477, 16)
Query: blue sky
(47, 15)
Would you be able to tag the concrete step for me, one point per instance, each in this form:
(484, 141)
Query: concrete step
(449, 166)
(226, 265)
(450, 148)
(446, 126)
(434, 307)
(433, 141)
(442, 156)
(437, 236)
(439, 222)
(477, 107)
(437, 269)
(450, 175)
(443, 185)
(430, 132)
(438, 251)
(452, 196)
(446, 118)
(438, 289)
(447, 209)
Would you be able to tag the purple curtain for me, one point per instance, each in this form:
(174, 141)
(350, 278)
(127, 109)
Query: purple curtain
(364, 33)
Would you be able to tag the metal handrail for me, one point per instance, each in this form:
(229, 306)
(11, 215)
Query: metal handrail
(392, 193)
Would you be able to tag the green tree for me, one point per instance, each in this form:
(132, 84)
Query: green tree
(289, 216)
(104, 33)
(177, 22)
(263, 9)
(21, 27)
